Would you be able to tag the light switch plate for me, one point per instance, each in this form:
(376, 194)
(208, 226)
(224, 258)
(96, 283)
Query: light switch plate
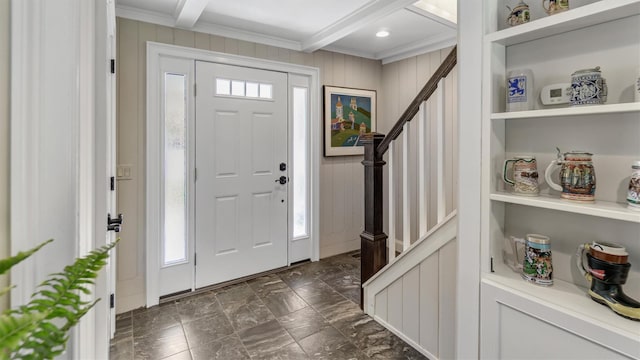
(124, 172)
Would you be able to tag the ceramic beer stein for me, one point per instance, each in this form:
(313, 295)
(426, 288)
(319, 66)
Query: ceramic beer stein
(577, 176)
(525, 175)
(520, 14)
(536, 266)
(633, 194)
(520, 90)
(588, 87)
(555, 6)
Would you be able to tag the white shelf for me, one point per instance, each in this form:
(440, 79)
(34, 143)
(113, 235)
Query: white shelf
(603, 209)
(573, 300)
(588, 15)
(570, 111)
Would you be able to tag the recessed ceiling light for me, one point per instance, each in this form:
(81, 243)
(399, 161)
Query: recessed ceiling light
(382, 33)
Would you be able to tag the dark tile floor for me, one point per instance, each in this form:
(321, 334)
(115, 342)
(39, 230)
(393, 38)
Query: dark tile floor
(308, 312)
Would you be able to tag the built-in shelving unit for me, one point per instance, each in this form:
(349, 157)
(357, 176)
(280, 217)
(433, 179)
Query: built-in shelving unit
(553, 47)
(582, 17)
(604, 209)
(570, 111)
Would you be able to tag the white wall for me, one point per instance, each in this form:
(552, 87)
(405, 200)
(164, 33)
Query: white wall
(4, 142)
(341, 183)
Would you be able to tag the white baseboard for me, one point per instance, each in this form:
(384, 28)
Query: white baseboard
(339, 247)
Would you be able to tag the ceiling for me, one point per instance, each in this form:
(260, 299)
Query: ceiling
(345, 26)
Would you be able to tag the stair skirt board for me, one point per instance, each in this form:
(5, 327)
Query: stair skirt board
(414, 300)
(406, 339)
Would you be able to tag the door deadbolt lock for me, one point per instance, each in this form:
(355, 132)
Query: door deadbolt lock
(114, 224)
(282, 180)
(283, 167)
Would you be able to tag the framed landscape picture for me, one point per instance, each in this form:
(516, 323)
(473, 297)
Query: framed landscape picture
(348, 115)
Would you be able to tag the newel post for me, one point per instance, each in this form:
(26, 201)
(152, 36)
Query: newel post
(373, 241)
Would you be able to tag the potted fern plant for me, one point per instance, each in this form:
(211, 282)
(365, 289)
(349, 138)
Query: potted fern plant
(40, 328)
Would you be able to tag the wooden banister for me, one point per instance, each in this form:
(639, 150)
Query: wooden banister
(429, 88)
(373, 240)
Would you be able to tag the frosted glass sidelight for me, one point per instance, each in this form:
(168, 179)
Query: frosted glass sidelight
(299, 180)
(174, 240)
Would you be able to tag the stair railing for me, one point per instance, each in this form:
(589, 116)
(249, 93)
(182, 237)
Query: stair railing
(375, 252)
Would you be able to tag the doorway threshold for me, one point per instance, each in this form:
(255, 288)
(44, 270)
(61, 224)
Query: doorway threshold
(188, 293)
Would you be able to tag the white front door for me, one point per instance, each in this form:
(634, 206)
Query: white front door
(241, 155)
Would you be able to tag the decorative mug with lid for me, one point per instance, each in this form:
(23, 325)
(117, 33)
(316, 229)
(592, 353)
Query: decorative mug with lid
(577, 175)
(520, 14)
(588, 87)
(555, 6)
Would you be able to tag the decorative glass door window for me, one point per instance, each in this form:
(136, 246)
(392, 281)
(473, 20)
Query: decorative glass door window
(174, 240)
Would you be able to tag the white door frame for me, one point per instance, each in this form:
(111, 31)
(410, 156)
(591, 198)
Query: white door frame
(53, 153)
(155, 51)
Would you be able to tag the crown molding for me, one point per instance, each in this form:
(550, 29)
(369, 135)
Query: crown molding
(427, 45)
(368, 13)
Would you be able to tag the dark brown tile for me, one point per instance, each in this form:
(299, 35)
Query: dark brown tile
(346, 284)
(292, 351)
(243, 307)
(154, 319)
(330, 344)
(264, 285)
(283, 301)
(207, 329)
(322, 298)
(303, 323)
(185, 355)
(385, 346)
(228, 348)
(335, 311)
(124, 315)
(314, 289)
(121, 350)
(265, 338)
(160, 344)
(197, 306)
(361, 329)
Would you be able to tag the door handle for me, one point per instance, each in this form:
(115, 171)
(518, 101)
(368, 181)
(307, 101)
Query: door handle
(114, 224)
(282, 180)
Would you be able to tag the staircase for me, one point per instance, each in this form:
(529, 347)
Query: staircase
(413, 293)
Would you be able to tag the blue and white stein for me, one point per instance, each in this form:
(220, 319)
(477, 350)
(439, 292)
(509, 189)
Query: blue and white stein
(588, 87)
(520, 90)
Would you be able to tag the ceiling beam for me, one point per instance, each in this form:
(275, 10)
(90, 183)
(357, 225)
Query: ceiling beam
(188, 12)
(370, 12)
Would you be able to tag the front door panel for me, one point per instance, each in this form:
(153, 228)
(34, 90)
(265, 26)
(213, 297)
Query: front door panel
(241, 139)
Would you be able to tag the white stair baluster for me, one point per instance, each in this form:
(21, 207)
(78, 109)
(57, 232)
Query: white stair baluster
(422, 176)
(440, 153)
(406, 208)
(391, 240)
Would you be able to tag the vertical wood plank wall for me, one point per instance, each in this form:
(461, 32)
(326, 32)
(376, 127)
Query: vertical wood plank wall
(401, 81)
(421, 303)
(5, 58)
(341, 178)
(341, 183)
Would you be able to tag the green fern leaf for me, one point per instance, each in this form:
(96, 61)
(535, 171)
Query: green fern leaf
(14, 328)
(8, 263)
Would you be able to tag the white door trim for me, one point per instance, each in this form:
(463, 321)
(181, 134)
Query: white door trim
(53, 104)
(153, 160)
